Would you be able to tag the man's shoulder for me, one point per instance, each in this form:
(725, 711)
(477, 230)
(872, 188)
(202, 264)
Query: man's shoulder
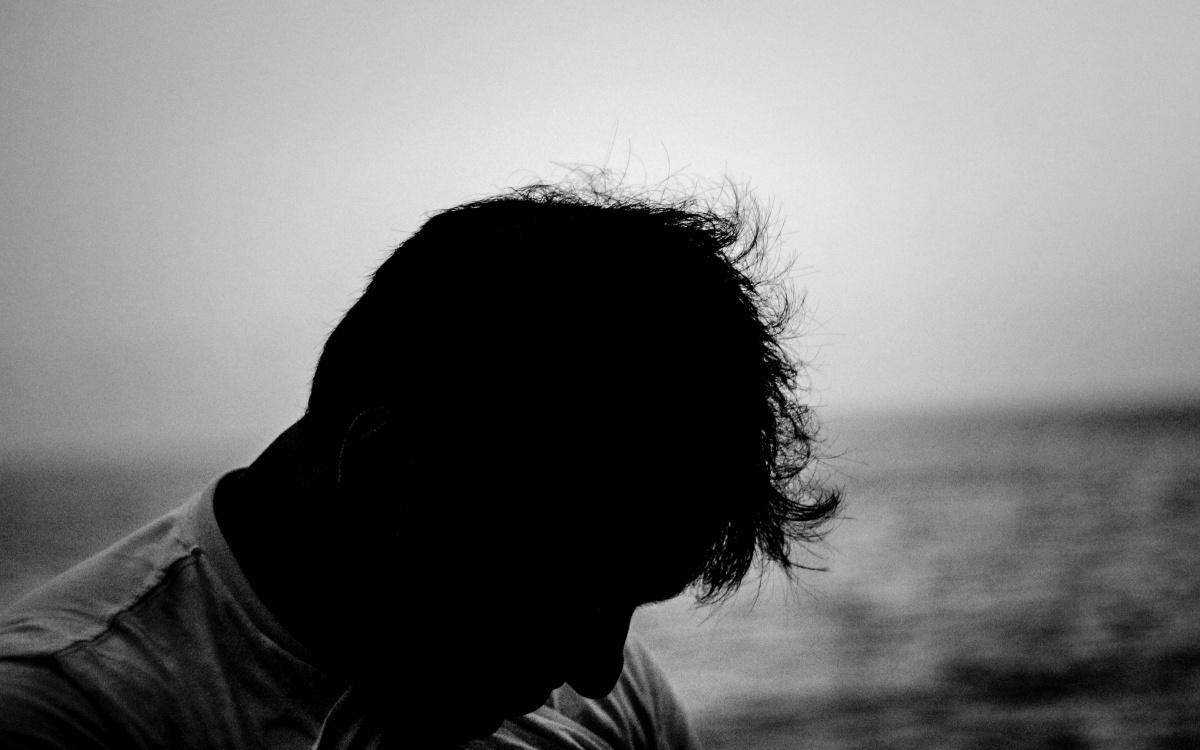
(157, 641)
(81, 604)
(54, 639)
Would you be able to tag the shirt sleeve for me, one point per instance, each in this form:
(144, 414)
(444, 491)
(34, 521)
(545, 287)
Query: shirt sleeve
(673, 730)
(40, 709)
(641, 713)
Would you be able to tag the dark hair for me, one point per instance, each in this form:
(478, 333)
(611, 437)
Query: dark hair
(609, 326)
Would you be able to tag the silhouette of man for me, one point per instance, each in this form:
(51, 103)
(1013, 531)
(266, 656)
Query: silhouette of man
(548, 408)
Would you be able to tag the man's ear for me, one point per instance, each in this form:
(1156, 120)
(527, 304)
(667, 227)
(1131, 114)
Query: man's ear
(365, 508)
(370, 451)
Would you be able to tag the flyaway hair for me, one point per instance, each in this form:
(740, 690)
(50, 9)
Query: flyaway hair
(609, 332)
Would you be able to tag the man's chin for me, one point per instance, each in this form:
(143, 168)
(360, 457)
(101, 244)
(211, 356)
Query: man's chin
(597, 685)
(528, 705)
(470, 714)
(475, 728)
(483, 725)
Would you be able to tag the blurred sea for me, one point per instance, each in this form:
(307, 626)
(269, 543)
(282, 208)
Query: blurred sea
(1019, 579)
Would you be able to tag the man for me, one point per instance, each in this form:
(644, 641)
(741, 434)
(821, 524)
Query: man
(548, 408)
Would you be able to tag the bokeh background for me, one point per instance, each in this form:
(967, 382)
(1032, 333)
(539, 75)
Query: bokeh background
(993, 212)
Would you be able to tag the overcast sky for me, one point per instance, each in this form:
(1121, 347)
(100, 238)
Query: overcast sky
(989, 202)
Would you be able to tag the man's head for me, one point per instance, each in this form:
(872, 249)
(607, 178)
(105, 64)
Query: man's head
(561, 403)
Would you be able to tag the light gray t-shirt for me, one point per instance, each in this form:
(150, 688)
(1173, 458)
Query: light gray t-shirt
(160, 642)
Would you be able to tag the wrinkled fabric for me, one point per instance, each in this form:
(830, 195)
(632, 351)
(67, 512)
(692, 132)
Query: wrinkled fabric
(157, 642)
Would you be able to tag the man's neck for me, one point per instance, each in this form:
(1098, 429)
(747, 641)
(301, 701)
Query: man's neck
(273, 515)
